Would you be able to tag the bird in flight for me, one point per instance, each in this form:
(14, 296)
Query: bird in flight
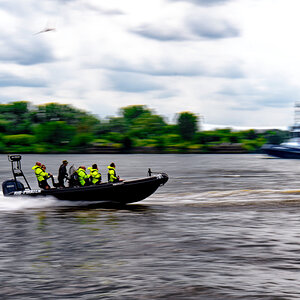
(46, 29)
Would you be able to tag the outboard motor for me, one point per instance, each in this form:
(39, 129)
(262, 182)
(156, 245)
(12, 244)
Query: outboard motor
(11, 186)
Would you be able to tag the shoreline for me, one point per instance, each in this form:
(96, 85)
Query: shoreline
(215, 149)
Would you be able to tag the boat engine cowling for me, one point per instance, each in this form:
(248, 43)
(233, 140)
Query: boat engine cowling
(10, 186)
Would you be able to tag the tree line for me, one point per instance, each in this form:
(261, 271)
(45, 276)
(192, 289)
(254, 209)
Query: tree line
(61, 128)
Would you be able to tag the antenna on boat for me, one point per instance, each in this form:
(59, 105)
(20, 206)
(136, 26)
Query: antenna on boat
(16, 168)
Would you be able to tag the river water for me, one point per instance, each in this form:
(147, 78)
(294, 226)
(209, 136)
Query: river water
(223, 227)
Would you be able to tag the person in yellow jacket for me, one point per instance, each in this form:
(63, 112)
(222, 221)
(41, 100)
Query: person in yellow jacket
(95, 175)
(82, 176)
(111, 175)
(41, 175)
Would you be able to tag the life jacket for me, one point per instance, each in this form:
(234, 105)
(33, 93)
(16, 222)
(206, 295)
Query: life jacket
(111, 175)
(40, 173)
(82, 176)
(96, 176)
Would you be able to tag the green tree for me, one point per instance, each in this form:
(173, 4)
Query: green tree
(113, 124)
(205, 137)
(81, 140)
(62, 112)
(276, 136)
(146, 126)
(127, 143)
(250, 134)
(130, 113)
(55, 133)
(187, 125)
(15, 118)
(87, 123)
(19, 139)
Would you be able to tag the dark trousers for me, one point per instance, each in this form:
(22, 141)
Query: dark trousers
(61, 182)
(44, 184)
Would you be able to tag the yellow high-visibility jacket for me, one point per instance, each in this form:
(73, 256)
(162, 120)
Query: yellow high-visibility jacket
(112, 174)
(95, 174)
(82, 176)
(40, 173)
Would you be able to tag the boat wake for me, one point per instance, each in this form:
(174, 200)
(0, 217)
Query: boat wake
(24, 203)
(207, 198)
(226, 198)
(21, 203)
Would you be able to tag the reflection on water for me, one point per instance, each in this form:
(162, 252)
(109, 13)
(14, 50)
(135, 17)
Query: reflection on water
(223, 227)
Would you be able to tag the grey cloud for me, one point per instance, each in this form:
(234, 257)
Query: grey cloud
(25, 8)
(102, 10)
(10, 6)
(211, 28)
(26, 58)
(232, 70)
(7, 80)
(161, 34)
(52, 6)
(203, 2)
(164, 67)
(195, 26)
(132, 83)
(278, 100)
(65, 1)
(23, 47)
(169, 67)
(30, 57)
(29, 50)
(166, 94)
(253, 98)
(162, 70)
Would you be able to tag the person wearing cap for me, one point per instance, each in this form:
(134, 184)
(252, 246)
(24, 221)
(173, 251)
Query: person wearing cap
(95, 175)
(41, 175)
(44, 182)
(62, 173)
(82, 176)
(111, 175)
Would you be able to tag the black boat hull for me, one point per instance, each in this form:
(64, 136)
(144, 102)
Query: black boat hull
(120, 192)
(281, 151)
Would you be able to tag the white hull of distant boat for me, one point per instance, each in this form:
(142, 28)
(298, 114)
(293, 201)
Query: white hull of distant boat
(289, 149)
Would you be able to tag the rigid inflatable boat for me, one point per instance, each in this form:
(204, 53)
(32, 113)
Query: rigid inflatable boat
(122, 192)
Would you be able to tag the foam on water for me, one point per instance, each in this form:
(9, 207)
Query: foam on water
(206, 198)
(228, 197)
(24, 203)
(21, 203)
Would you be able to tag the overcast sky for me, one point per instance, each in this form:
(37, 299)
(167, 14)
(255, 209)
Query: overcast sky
(233, 62)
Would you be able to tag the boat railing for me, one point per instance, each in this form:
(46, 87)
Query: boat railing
(16, 167)
(150, 172)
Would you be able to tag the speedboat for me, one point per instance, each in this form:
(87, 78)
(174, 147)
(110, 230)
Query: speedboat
(288, 149)
(122, 192)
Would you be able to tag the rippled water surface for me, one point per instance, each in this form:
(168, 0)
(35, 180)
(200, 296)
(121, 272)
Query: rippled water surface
(223, 227)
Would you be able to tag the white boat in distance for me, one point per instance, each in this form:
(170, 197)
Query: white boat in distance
(290, 148)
